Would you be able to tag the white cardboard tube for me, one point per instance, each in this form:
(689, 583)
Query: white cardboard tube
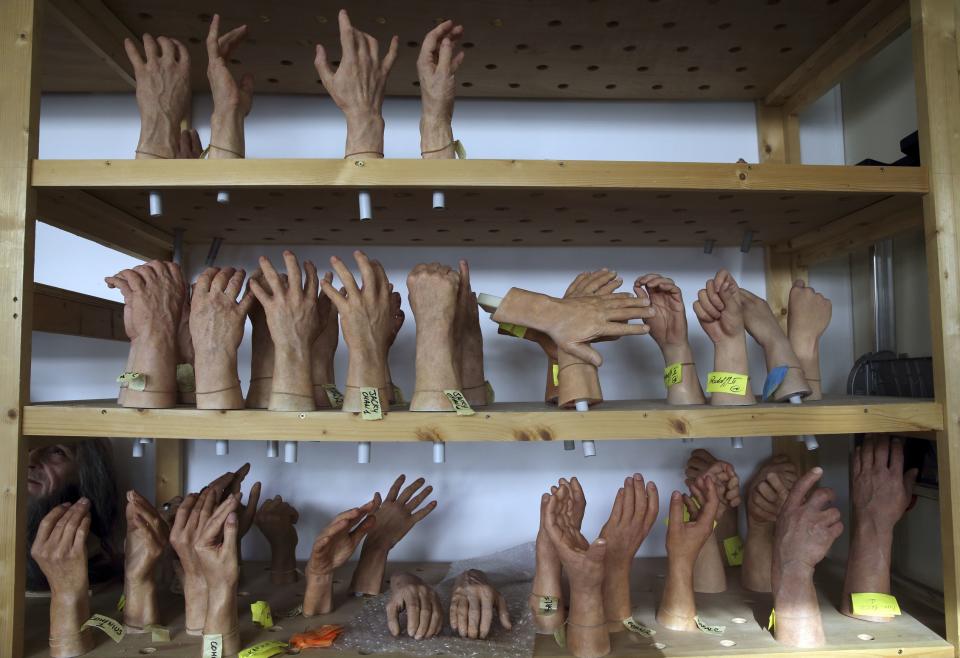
(273, 449)
(137, 451)
(569, 445)
(156, 204)
(223, 197)
(366, 205)
(363, 452)
(583, 405)
(589, 448)
(439, 452)
(290, 452)
(222, 447)
(736, 441)
(439, 200)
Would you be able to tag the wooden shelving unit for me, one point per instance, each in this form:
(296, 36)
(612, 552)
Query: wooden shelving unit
(781, 55)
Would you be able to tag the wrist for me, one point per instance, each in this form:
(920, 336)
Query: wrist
(318, 597)
(158, 136)
(676, 353)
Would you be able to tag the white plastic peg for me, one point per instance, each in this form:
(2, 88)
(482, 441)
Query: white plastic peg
(363, 452)
(708, 246)
(736, 442)
(290, 452)
(583, 405)
(439, 452)
(809, 441)
(137, 451)
(439, 201)
(569, 445)
(223, 197)
(273, 449)
(156, 205)
(222, 448)
(366, 205)
(589, 448)
(488, 303)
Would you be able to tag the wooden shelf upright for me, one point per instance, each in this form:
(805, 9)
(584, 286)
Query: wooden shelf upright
(781, 56)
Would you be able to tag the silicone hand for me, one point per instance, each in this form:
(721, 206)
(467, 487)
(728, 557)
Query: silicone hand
(338, 541)
(473, 604)
(433, 292)
(436, 68)
(684, 540)
(470, 338)
(215, 544)
(547, 577)
(60, 551)
(718, 309)
(582, 561)
(807, 526)
(668, 325)
(421, 603)
(185, 351)
(727, 484)
(768, 490)
(276, 520)
(808, 317)
(194, 510)
(634, 512)
(881, 491)
(147, 535)
(153, 295)
(325, 346)
(163, 93)
(189, 146)
(765, 329)
(228, 95)
(398, 513)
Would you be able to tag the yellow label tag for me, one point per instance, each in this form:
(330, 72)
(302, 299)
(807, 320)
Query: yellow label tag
(397, 395)
(634, 626)
(708, 628)
(491, 396)
(261, 613)
(333, 395)
(686, 517)
(548, 605)
(135, 381)
(772, 622)
(186, 378)
(873, 604)
(733, 547)
(560, 636)
(121, 603)
(158, 633)
(212, 646)
(370, 408)
(556, 374)
(673, 374)
(727, 382)
(460, 151)
(514, 329)
(460, 404)
(264, 649)
(111, 627)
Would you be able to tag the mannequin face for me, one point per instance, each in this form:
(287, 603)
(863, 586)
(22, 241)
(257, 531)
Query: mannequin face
(50, 469)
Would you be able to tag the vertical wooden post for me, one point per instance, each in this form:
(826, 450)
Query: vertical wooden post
(169, 469)
(778, 135)
(935, 53)
(19, 109)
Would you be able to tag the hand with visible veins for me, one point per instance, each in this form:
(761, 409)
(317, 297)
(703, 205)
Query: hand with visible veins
(473, 604)
(547, 577)
(433, 289)
(394, 519)
(191, 515)
(396, 312)
(147, 537)
(261, 347)
(437, 66)
(367, 325)
(331, 549)
(294, 323)
(185, 352)
(709, 569)
(808, 315)
(277, 521)
(216, 549)
(325, 349)
(163, 93)
(470, 339)
(668, 327)
(881, 492)
(767, 491)
(420, 602)
(59, 549)
(232, 100)
(216, 327)
(766, 330)
(720, 314)
(684, 542)
(584, 563)
(806, 528)
(634, 512)
(357, 86)
(153, 296)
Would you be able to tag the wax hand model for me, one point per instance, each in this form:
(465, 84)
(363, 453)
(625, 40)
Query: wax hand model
(186, 389)
(703, 462)
(473, 604)
(709, 569)
(396, 312)
(231, 99)
(437, 66)
(880, 494)
(191, 515)
(216, 328)
(806, 528)
(808, 314)
(324, 350)
(261, 348)
(394, 519)
(584, 563)
(433, 290)
(763, 326)
(367, 325)
(163, 94)
(424, 612)
(291, 310)
(357, 85)
(668, 327)
(678, 608)
(767, 491)
(635, 509)
(277, 521)
(469, 337)
(331, 549)
(547, 579)
(720, 314)
(60, 551)
(147, 537)
(153, 296)
(216, 546)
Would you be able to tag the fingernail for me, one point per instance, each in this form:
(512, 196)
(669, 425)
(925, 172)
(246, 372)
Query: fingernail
(817, 470)
(83, 501)
(675, 495)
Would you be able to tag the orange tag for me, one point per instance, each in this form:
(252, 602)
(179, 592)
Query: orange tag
(316, 638)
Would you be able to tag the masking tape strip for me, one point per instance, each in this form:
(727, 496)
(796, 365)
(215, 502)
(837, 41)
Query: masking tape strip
(370, 408)
(186, 378)
(634, 626)
(672, 374)
(491, 395)
(110, 627)
(333, 395)
(264, 649)
(727, 382)
(459, 402)
(514, 329)
(135, 381)
(121, 603)
(772, 622)
(547, 605)
(733, 548)
(708, 628)
(459, 149)
(875, 604)
(212, 646)
(158, 633)
(260, 610)
(556, 374)
(560, 636)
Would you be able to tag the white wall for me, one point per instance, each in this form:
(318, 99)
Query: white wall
(488, 492)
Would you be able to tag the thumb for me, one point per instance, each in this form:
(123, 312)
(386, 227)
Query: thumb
(504, 612)
(584, 352)
(676, 508)
(230, 534)
(324, 70)
(597, 550)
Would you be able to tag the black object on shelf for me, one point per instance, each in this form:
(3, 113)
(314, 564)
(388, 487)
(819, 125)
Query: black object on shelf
(909, 146)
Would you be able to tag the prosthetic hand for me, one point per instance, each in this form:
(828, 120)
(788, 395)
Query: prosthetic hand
(777, 350)
(473, 604)
(231, 99)
(163, 94)
(323, 352)
(808, 314)
(703, 462)
(766, 493)
(433, 289)
(261, 347)
(424, 612)
(720, 314)
(469, 339)
(216, 549)
(709, 570)
(547, 579)
(436, 67)
(147, 537)
(277, 521)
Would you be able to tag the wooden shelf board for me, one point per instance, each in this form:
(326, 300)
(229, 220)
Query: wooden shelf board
(510, 421)
(905, 636)
(60, 311)
(488, 202)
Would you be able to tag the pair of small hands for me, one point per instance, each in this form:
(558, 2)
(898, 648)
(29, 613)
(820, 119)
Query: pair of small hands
(723, 475)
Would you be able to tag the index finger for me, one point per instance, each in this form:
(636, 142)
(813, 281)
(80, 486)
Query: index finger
(345, 276)
(213, 38)
(347, 43)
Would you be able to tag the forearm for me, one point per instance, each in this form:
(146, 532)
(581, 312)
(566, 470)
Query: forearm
(222, 617)
(757, 558)
(318, 597)
(368, 577)
(709, 574)
(587, 634)
(155, 358)
(687, 390)
(811, 372)
(364, 135)
(547, 582)
(436, 136)
(868, 565)
(218, 386)
(678, 606)
(194, 602)
(727, 524)
(366, 368)
(261, 363)
(283, 563)
(528, 309)
(798, 622)
(616, 592)
(436, 359)
(292, 384)
(731, 356)
(140, 607)
(68, 612)
(226, 135)
(158, 137)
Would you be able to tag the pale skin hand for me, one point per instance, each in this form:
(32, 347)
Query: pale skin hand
(216, 550)
(294, 323)
(721, 316)
(470, 338)
(709, 569)
(437, 66)
(433, 290)
(808, 314)
(232, 100)
(881, 494)
(147, 536)
(765, 329)
(767, 491)
(357, 86)
(277, 521)
(473, 605)
(634, 512)
(806, 528)
(331, 549)
(60, 551)
(424, 612)
(163, 93)
(395, 518)
(261, 346)
(193, 513)
(728, 487)
(547, 577)
(396, 312)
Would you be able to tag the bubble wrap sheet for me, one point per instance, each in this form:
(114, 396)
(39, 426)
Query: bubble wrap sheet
(510, 572)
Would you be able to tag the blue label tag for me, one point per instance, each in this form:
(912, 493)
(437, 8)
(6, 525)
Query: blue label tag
(773, 381)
